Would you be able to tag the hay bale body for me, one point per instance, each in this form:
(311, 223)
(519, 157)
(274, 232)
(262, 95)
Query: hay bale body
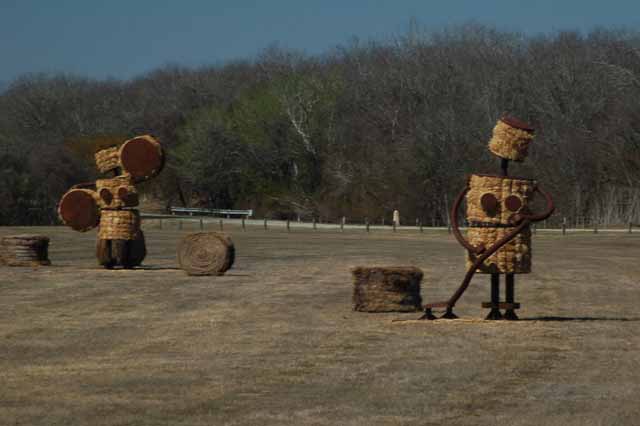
(117, 192)
(491, 203)
(387, 289)
(78, 209)
(24, 250)
(119, 224)
(206, 253)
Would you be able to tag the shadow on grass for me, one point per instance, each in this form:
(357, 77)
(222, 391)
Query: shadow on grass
(560, 319)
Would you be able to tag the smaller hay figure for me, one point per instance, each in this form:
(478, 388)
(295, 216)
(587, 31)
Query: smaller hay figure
(386, 289)
(206, 253)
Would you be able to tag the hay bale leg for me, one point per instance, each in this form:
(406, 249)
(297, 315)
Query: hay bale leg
(103, 253)
(137, 250)
(387, 289)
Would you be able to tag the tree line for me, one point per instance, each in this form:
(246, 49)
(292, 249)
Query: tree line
(359, 131)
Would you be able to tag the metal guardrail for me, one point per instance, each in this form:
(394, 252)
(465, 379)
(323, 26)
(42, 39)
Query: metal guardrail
(228, 212)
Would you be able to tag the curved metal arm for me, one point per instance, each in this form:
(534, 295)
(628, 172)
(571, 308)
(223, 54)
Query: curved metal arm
(456, 228)
(541, 216)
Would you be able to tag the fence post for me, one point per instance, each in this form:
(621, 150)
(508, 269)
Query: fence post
(288, 225)
(265, 223)
(201, 224)
(564, 226)
(366, 223)
(243, 225)
(595, 227)
(342, 221)
(394, 226)
(314, 223)
(160, 223)
(179, 224)
(221, 226)
(630, 227)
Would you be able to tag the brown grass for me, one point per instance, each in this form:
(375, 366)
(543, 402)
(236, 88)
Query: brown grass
(275, 342)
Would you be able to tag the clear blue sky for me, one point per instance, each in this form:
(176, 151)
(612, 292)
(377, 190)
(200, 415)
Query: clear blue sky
(122, 39)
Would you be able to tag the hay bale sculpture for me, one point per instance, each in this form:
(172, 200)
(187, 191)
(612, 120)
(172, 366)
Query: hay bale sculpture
(498, 212)
(386, 289)
(108, 203)
(206, 253)
(24, 250)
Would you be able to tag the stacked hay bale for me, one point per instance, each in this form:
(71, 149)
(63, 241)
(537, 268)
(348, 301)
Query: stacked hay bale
(120, 239)
(24, 250)
(387, 289)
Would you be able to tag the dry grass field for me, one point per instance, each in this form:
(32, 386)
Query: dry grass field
(275, 342)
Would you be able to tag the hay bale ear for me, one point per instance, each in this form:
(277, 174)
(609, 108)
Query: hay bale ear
(142, 157)
(78, 209)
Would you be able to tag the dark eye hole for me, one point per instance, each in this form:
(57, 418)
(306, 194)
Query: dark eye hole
(106, 196)
(122, 193)
(513, 203)
(489, 204)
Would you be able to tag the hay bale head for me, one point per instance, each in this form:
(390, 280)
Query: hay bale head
(387, 289)
(206, 253)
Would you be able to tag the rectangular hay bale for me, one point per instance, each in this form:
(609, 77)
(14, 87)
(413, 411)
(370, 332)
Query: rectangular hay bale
(387, 289)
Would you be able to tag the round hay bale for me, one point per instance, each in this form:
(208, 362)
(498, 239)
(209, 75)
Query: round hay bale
(78, 209)
(206, 253)
(107, 159)
(387, 289)
(117, 192)
(142, 157)
(24, 250)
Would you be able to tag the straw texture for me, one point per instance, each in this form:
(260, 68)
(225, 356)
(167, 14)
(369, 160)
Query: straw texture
(119, 224)
(513, 258)
(107, 159)
(509, 142)
(24, 250)
(117, 192)
(491, 202)
(206, 253)
(501, 188)
(386, 289)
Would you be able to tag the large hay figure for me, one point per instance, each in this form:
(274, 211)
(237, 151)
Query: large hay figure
(498, 213)
(108, 203)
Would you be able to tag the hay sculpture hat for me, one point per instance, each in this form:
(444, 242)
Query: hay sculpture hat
(511, 138)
